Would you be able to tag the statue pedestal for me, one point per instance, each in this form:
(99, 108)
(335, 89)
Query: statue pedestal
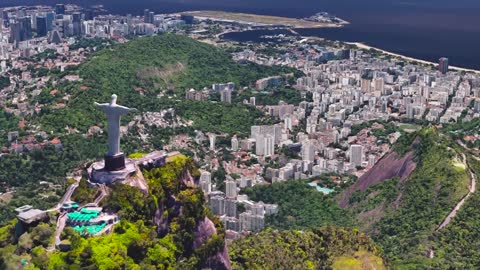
(97, 172)
(115, 163)
(101, 172)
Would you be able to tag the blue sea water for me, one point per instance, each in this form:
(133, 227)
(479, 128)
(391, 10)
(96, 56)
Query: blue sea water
(425, 29)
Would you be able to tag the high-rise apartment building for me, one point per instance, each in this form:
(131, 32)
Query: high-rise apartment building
(60, 9)
(231, 189)
(356, 154)
(41, 26)
(226, 95)
(234, 143)
(308, 151)
(443, 65)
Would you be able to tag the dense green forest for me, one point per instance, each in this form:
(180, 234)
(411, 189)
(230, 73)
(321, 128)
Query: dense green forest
(457, 245)
(300, 205)
(323, 248)
(4, 82)
(139, 70)
(424, 200)
(86, 43)
(169, 62)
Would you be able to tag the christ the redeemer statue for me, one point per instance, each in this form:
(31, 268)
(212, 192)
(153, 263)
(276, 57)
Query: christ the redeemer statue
(114, 160)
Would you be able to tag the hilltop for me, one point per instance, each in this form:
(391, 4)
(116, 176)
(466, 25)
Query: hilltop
(153, 73)
(169, 227)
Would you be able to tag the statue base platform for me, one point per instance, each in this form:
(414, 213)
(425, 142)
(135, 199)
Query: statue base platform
(107, 171)
(115, 163)
(99, 174)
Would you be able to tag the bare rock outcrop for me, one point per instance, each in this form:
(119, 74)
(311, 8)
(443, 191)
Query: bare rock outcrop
(390, 166)
(205, 230)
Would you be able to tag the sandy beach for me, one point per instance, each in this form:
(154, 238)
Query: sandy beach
(367, 47)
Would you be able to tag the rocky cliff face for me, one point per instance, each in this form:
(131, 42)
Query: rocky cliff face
(182, 203)
(390, 166)
(205, 231)
(189, 180)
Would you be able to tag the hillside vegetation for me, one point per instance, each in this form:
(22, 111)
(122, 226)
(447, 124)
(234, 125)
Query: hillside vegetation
(400, 214)
(169, 61)
(141, 69)
(159, 230)
(457, 245)
(424, 200)
(323, 248)
(300, 206)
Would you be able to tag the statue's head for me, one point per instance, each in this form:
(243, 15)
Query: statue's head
(114, 100)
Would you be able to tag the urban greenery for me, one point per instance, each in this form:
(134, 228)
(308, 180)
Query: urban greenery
(4, 82)
(300, 206)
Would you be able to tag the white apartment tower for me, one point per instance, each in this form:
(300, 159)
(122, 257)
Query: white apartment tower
(356, 154)
(231, 189)
(212, 139)
(308, 151)
(269, 146)
(234, 143)
(206, 181)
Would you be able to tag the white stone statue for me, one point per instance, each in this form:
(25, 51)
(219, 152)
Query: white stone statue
(114, 113)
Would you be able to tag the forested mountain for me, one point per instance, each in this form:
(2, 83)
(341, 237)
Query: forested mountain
(403, 213)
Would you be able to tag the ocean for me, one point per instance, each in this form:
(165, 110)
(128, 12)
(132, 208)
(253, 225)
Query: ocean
(424, 29)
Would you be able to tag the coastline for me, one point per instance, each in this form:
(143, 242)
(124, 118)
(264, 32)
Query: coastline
(259, 20)
(368, 47)
(290, 24)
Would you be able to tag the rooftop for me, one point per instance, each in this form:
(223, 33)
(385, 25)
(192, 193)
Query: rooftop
(31, 215)
(23, 208)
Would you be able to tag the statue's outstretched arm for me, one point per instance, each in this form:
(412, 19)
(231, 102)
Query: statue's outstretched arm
(102, 106)
(125, 110)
